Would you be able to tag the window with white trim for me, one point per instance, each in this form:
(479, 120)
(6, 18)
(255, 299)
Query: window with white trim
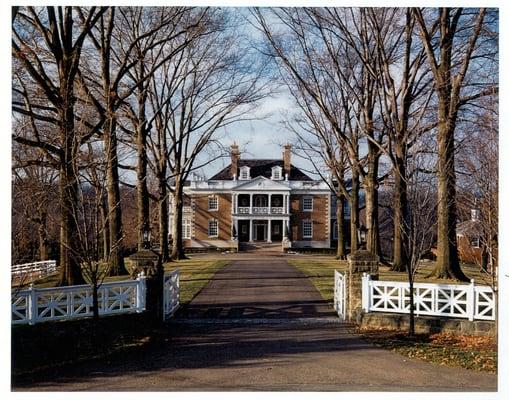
(475, 242)
(307, 229)
(307, 204)
(213, 228)
(244, 173)
(186, 228)
(213, 203)
(276, 173)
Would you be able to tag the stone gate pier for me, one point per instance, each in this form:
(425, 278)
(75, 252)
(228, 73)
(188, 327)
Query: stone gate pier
(359, 262)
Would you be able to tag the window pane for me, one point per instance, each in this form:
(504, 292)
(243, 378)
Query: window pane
(213, 203)
(307, 229)
(213, 227)
(307, 204)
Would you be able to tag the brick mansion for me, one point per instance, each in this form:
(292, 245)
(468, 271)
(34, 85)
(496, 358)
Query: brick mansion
(259, 201)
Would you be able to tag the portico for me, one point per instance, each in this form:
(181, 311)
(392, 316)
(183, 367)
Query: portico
(260, 210)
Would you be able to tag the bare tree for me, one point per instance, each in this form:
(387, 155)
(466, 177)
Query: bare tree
(321, 53)
(46, 46)
(451, 40)
(111, 84)
(208, 86)
(419, 223)
(477, 161)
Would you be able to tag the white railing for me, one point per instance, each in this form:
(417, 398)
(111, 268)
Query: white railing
(340, 294)
(187, 209)
(261, 210)
(34, 270)
(171, 290)
(458, 301)
(61, 303)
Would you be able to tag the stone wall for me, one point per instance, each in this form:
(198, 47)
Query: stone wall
(428, 324)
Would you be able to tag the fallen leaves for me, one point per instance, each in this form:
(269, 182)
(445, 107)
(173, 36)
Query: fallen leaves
(471, 352)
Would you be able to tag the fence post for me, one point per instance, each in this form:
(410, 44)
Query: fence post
(32, 305)
(141, 292)
(471, 300)
(365, 291)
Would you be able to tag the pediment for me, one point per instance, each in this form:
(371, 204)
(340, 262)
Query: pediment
(261, 183)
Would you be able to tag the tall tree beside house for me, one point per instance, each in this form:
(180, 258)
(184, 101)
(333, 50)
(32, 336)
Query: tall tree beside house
(321, 54)
(47, 46)
(208, 86)
(451, 38)
(112, 79)
(404, 92)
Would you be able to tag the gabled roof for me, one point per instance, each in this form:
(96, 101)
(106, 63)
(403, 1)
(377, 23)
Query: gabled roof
(260, 167)
(261, 183)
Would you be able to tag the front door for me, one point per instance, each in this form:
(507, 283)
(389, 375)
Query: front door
(261, 232)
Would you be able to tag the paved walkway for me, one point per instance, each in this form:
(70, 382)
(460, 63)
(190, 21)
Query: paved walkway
(259, 325)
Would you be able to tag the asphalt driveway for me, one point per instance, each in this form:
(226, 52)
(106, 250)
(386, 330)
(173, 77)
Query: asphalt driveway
(259, 325)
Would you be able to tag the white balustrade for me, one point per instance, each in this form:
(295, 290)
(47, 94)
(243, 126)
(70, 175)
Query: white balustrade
(243, 210)
(69, 302)
(458, 301)
(35, 270)
(171, 290)
(260, 210)
(277, 210)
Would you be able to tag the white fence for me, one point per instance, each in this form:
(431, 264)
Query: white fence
(171, 293)
(69, 302)
(339, 294)
(34, 270)
(457, 301)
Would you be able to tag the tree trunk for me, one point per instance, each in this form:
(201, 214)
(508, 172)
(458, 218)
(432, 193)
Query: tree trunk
(142, 196)
(70, 271)
(400, 257)
(95, 302)
(43, 237)
(411, 325)
(116, 259)
(447, 265)
(106, 230)
(177, 251)
(354, 212)
(163, 221)
(340, 222)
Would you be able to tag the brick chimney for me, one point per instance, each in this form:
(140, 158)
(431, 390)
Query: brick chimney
(235, 155)
(287, 158)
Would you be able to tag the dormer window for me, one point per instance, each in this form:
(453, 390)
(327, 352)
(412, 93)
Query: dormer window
(244, 174)
(277, 173)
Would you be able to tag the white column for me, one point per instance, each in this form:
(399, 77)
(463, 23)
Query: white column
(270, 202)
(250, 203)
(269, 232)
(250, 230)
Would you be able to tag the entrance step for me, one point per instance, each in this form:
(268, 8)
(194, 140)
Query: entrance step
(262, 247)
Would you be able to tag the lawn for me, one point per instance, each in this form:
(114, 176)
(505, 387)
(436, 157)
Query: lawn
(320, 270)
(194, 275)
